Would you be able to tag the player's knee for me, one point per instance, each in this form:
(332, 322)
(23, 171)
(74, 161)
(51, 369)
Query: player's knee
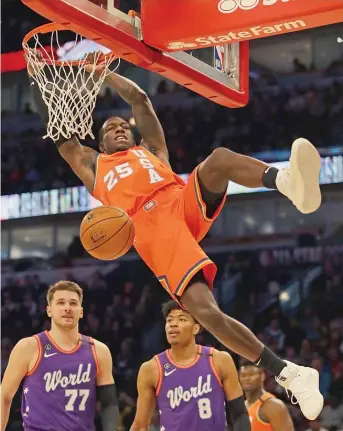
(220, 158)
(220, 152)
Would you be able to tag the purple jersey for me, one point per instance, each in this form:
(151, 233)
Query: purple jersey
(59, 393)
(190, 398)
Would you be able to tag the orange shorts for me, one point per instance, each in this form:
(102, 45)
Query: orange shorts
(168, 229)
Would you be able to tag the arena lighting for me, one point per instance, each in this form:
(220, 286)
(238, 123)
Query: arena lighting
(284, 297)
(75, 50)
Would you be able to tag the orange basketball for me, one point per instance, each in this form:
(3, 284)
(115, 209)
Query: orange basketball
(107, 232)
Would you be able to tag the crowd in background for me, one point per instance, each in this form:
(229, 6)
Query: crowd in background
(122, 309)
(272, 120)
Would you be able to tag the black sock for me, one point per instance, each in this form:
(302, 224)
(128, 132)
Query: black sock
(271, 362)
(269, 177)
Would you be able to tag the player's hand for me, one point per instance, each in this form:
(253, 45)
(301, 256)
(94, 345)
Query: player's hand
(91, 62)
(34, 61)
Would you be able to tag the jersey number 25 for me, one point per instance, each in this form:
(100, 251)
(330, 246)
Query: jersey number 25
(125, 170)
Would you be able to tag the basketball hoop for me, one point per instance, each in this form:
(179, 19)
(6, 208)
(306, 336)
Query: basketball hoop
(69, 88)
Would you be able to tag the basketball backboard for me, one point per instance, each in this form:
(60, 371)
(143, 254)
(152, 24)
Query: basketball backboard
(221, 75)
(211, 22)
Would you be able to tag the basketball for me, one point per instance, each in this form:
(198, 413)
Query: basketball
(107, 232)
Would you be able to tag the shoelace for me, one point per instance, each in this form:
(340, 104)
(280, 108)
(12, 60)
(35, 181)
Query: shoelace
(293, 398)
(289, 393)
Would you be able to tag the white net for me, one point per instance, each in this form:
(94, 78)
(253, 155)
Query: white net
(69, 88)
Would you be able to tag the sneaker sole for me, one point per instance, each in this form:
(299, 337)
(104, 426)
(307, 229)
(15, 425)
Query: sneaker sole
(305, 164)
(320, 399)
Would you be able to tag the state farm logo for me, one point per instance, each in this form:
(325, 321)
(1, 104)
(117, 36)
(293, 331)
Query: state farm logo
(230, 6)
(181, 45)
(238, 36)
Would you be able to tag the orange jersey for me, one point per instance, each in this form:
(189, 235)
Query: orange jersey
(128, 179)
(258, 424)
(169, 216)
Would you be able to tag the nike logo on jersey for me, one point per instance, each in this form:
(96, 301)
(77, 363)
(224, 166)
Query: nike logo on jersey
(168, 373)
(47, 355)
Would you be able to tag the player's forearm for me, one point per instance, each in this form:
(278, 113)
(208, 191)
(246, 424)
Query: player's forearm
(241, 423)
(5, 412)
(139, 426)
(126, 89)
(107, 396)
(110, 418)
(238, 415)
(142, 420)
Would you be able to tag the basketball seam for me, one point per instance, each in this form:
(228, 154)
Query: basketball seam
(112, 257)
(94, 248)
(104, 219)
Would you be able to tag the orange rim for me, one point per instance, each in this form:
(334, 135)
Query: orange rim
(50, 28)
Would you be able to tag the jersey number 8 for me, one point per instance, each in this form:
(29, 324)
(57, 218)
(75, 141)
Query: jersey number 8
(204, 407)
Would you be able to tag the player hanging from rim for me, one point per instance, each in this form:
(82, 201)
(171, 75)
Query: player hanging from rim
(63, 372)
(266, 412)
(171, 218)
(196, 387)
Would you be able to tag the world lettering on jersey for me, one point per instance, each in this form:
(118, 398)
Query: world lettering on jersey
(56, 378)
(179, 394)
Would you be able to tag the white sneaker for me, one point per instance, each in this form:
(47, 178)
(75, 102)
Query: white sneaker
(303, 382)
(300, 182)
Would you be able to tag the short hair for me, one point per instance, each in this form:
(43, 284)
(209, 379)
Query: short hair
(246, 363)
(170, 306)
(70, 286)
